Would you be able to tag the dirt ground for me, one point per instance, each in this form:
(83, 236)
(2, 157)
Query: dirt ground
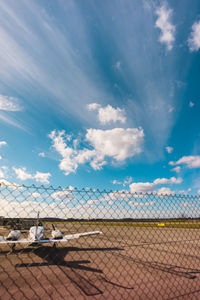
(122, 263)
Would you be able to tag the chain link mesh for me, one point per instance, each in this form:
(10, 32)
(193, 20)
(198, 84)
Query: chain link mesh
(149, 247)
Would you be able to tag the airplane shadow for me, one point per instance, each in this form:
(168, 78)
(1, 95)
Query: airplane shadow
(168, 268)
(56, 257)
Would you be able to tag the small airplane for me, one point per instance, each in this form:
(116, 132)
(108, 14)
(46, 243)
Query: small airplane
(35, 236)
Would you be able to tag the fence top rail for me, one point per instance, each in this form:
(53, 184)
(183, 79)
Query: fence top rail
(99, 191)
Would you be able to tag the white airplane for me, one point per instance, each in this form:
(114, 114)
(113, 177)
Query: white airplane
(35, 236)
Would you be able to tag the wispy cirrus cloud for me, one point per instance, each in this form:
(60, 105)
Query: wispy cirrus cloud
(165, 25)
(9, 103)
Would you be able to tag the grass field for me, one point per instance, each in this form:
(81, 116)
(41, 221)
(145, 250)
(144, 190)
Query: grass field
(195, 224)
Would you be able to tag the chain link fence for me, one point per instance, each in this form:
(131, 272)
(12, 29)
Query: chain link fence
(149, 246)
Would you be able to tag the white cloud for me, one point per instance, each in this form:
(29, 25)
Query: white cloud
(164, 24)
(9, 103)
(165, 191)
(2, 143)
(9, 184)
(36, 195)
(176, 169)
(2, 175)
(22, 174)
(126, 181)
(118, 65)
(117, 143)
(194, 39)
(191, 104)
(42, 177)
(64, 195)
(117, 195)
(108, 113)
(141, 204)
(172, 180)
(91, 202)
(149, 187)
(142, 187)
(42, 154)
(190, 161)
(93, 106)
(169, 149)
(187, 204)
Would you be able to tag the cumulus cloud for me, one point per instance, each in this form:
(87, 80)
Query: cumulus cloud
(64, 195)
(169, 149)
(191, 161)
(42, 154)
(42, 177)
(149, 187)
(9, 103)
(108, 113)
(36, 195)
(2, 143)
(9, 184)
(194, 39)
(176, 169)
(191, 104)
(117, 195)
(165, 191)
(187, 204)
(172, 180)
(142, 187)
(118, 65)
(164, 24)
(125, 182)
(93, 106)
(22, 174)
(2, 175)
(118, 144)
(141, 204)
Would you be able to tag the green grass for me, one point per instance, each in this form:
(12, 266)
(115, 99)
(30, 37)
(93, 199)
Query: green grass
(192, 224)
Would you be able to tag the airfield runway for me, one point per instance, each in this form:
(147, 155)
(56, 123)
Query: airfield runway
(122, 263)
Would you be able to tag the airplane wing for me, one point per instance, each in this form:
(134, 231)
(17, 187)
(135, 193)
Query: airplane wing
(22, 241)
(77, 235)
(48, 240)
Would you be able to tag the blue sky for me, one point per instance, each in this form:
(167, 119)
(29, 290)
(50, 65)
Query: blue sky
(101, 94)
